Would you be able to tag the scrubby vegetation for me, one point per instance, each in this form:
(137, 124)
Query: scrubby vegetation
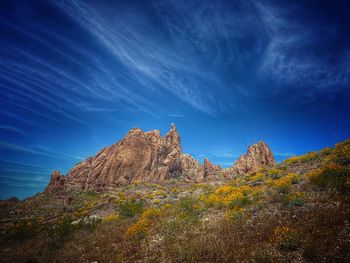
(297, 211)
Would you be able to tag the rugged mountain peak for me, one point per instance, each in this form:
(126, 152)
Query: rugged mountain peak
(56, 182)
(173, 138)
(258, 155)
(147, 156)
(134, 130)
(139, 156)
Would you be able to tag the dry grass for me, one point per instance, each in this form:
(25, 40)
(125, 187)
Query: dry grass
(272, 216)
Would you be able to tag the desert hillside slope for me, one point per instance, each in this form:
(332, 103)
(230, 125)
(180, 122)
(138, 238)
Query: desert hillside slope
(294, 211)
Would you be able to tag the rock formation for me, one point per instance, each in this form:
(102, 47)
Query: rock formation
(147, 156)
(191, 169)
(211, 171)
(57, 181)
(139, 156)
(258, 155)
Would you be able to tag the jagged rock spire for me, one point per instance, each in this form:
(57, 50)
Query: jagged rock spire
(173, 138)
(258, 155)
(56, 182)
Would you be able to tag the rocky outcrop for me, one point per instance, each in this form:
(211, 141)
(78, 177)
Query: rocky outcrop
(191, 169)
(147, 156)
(140, 156)
(258, 155)
(10, 202)
(57, 181)
(211, 171)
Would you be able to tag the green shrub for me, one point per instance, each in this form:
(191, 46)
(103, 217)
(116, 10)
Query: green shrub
(189, 209)
(275, 174)
(331, 175)
(294, 178)
(240, 202)
(311, 156)
(294, 199)
(341, 153)
(22, 231)
(130, 208)
(286, 238)
(63, 228)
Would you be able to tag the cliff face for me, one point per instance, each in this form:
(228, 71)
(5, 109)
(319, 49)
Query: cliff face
(57, 181)
(211, 171)
(139, 156)
(258, 155)
(147, 156)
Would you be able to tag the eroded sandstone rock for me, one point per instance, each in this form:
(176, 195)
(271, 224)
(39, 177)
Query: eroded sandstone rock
(147, 156)
(191, 169)
(211, 171)
(140, 156)
(57, 181)
(258, 155)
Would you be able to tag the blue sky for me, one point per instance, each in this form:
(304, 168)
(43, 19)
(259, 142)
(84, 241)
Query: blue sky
(75, 76)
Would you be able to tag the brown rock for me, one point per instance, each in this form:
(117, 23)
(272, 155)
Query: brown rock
(191, 169)
(211, 171)
(139, 156)
(258, 155)
(147, 156)
(9, 202)
(57, 181)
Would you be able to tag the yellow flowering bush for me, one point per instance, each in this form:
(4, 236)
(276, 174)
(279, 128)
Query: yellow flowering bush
(303, 158)
(111, 217)
(257, 193)
(229, 196)
(284, 184)
(234, 213)
(294, 199)
(341, 153)
(121, 196)
(257, 177)
(326, 151)
(156, 202)
(130, 208)
(332, 175)
(275, 173)
(285, 238)
(142, 225)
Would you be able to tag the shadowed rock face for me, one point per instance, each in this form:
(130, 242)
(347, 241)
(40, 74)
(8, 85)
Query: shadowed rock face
(57, 181)
(258, 155)
(147, 156)
(139, 156)
(192, 170)
(211, 171)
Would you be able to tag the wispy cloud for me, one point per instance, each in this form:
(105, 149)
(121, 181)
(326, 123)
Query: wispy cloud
(38, 179)
(154, 67)
(17, 163)
(39, 150)
(176, 115)
(13, 129)
(225, 154)
(284, 154)
(292, 58)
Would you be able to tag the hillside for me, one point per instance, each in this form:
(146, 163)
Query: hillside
(294, 211)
